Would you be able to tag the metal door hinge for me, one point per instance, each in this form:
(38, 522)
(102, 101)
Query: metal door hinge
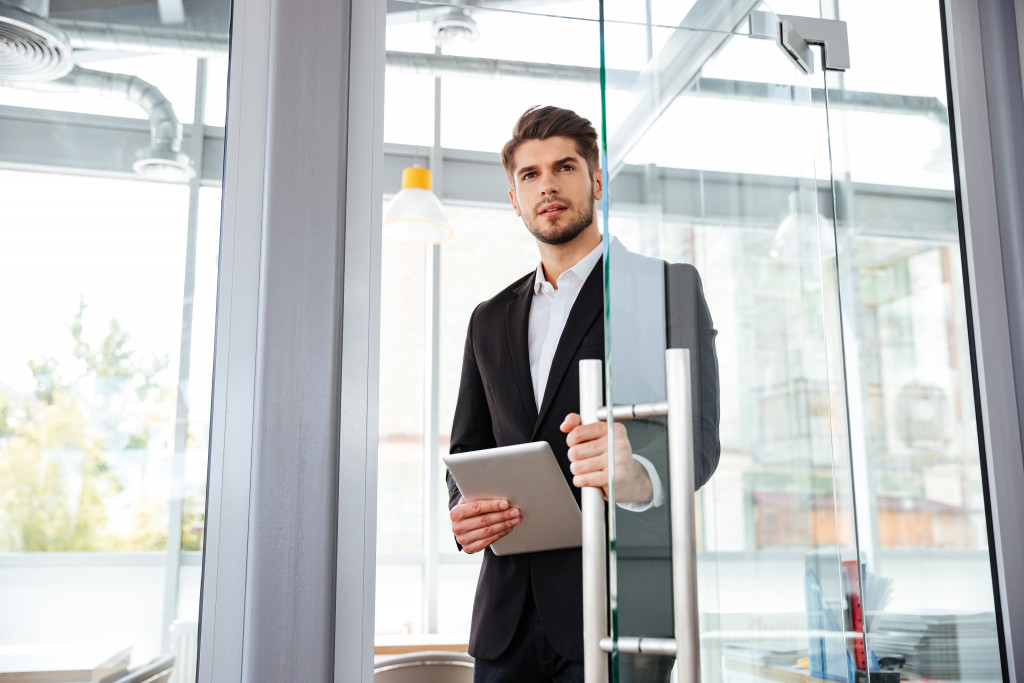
(795, 35)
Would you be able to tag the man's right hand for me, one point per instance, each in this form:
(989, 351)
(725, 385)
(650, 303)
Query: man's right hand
(478, 524)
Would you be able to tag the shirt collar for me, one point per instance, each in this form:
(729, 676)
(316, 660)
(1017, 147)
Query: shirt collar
(582, 269)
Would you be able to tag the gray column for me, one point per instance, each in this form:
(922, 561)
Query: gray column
(287, 587)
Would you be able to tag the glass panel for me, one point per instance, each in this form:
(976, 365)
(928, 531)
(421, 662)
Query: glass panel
(718, 166)
(110, 280)
(404, 124)
(451, 591)
(467, 274)
(523, 54)
(920, 500)
(400, 435)
(476, 113)
(216, 110)
(399, 603)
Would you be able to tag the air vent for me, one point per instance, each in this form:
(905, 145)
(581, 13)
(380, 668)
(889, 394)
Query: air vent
(31, 48)
(160, 162)
(454, 27)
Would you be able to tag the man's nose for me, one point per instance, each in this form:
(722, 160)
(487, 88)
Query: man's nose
(548, 186)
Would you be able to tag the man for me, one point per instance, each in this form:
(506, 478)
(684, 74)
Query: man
(520, 383)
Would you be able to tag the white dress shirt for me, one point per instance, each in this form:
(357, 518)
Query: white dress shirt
(548, 312)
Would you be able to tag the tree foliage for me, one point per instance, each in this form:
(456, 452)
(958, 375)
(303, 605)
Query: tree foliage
(55, 448)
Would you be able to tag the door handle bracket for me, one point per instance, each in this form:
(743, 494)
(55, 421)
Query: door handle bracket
(795, 35)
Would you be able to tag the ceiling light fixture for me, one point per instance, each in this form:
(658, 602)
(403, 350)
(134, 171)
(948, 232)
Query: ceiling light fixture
(415, 215)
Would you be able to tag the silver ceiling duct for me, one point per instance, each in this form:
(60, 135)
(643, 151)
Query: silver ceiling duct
(37, 55)
(96, 35)
(163, 159)
(452, 65)
(31, 48)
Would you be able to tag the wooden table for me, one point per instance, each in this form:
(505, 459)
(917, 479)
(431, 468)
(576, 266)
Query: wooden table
(782, 674)
(398, 645)
(77, 662)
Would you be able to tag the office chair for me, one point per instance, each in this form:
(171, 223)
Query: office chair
(425, 667)
(156, 671)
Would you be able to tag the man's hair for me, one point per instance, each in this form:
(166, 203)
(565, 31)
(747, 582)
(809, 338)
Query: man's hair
(541, 123)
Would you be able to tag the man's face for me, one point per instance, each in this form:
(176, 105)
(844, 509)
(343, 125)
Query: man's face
(553, 190)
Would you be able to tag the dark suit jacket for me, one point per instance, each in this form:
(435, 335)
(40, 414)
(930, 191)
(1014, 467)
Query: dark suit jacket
(496, 407)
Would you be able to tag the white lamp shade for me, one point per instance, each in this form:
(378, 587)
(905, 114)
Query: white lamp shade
(415, 216)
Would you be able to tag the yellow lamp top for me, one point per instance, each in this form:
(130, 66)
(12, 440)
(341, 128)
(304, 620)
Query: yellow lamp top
(415, 176)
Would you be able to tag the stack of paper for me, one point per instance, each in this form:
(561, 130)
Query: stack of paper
(940, 645)
(765, 653)
(876, 594)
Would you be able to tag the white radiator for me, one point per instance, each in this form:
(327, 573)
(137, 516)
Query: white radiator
(185, 648)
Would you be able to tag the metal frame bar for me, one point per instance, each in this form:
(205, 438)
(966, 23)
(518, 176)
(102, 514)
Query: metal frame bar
(431, 470)
(177, 503)
(232, 422)
(108, 146)
(475, 178)
(987, 106)
(355, 551)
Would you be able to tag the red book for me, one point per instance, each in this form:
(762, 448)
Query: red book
(856, 613)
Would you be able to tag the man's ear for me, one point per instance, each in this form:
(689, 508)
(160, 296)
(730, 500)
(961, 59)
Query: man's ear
(515, 204)
(597, 184)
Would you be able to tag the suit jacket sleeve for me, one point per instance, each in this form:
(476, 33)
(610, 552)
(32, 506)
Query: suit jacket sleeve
(471, 428)
(690, 326)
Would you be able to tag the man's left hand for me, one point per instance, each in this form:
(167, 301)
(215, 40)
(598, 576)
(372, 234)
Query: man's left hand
(588, 453)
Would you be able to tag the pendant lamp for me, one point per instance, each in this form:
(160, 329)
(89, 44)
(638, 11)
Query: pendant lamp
(415, 215)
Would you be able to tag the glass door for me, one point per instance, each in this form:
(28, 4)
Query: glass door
(775, 224)
(720, 240)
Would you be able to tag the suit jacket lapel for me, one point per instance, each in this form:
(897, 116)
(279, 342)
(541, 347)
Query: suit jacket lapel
(581, 318)
(517, 318)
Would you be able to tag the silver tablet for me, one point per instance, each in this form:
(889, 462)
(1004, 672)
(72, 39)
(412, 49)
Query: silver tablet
(528, 477)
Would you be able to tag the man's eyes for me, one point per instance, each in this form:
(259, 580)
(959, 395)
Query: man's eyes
(532, 174)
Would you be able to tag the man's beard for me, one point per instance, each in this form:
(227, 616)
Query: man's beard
(569, 232)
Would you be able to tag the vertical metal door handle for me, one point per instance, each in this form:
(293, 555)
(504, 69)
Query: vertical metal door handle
(686, 644)
(595, 604)
(684, 545)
